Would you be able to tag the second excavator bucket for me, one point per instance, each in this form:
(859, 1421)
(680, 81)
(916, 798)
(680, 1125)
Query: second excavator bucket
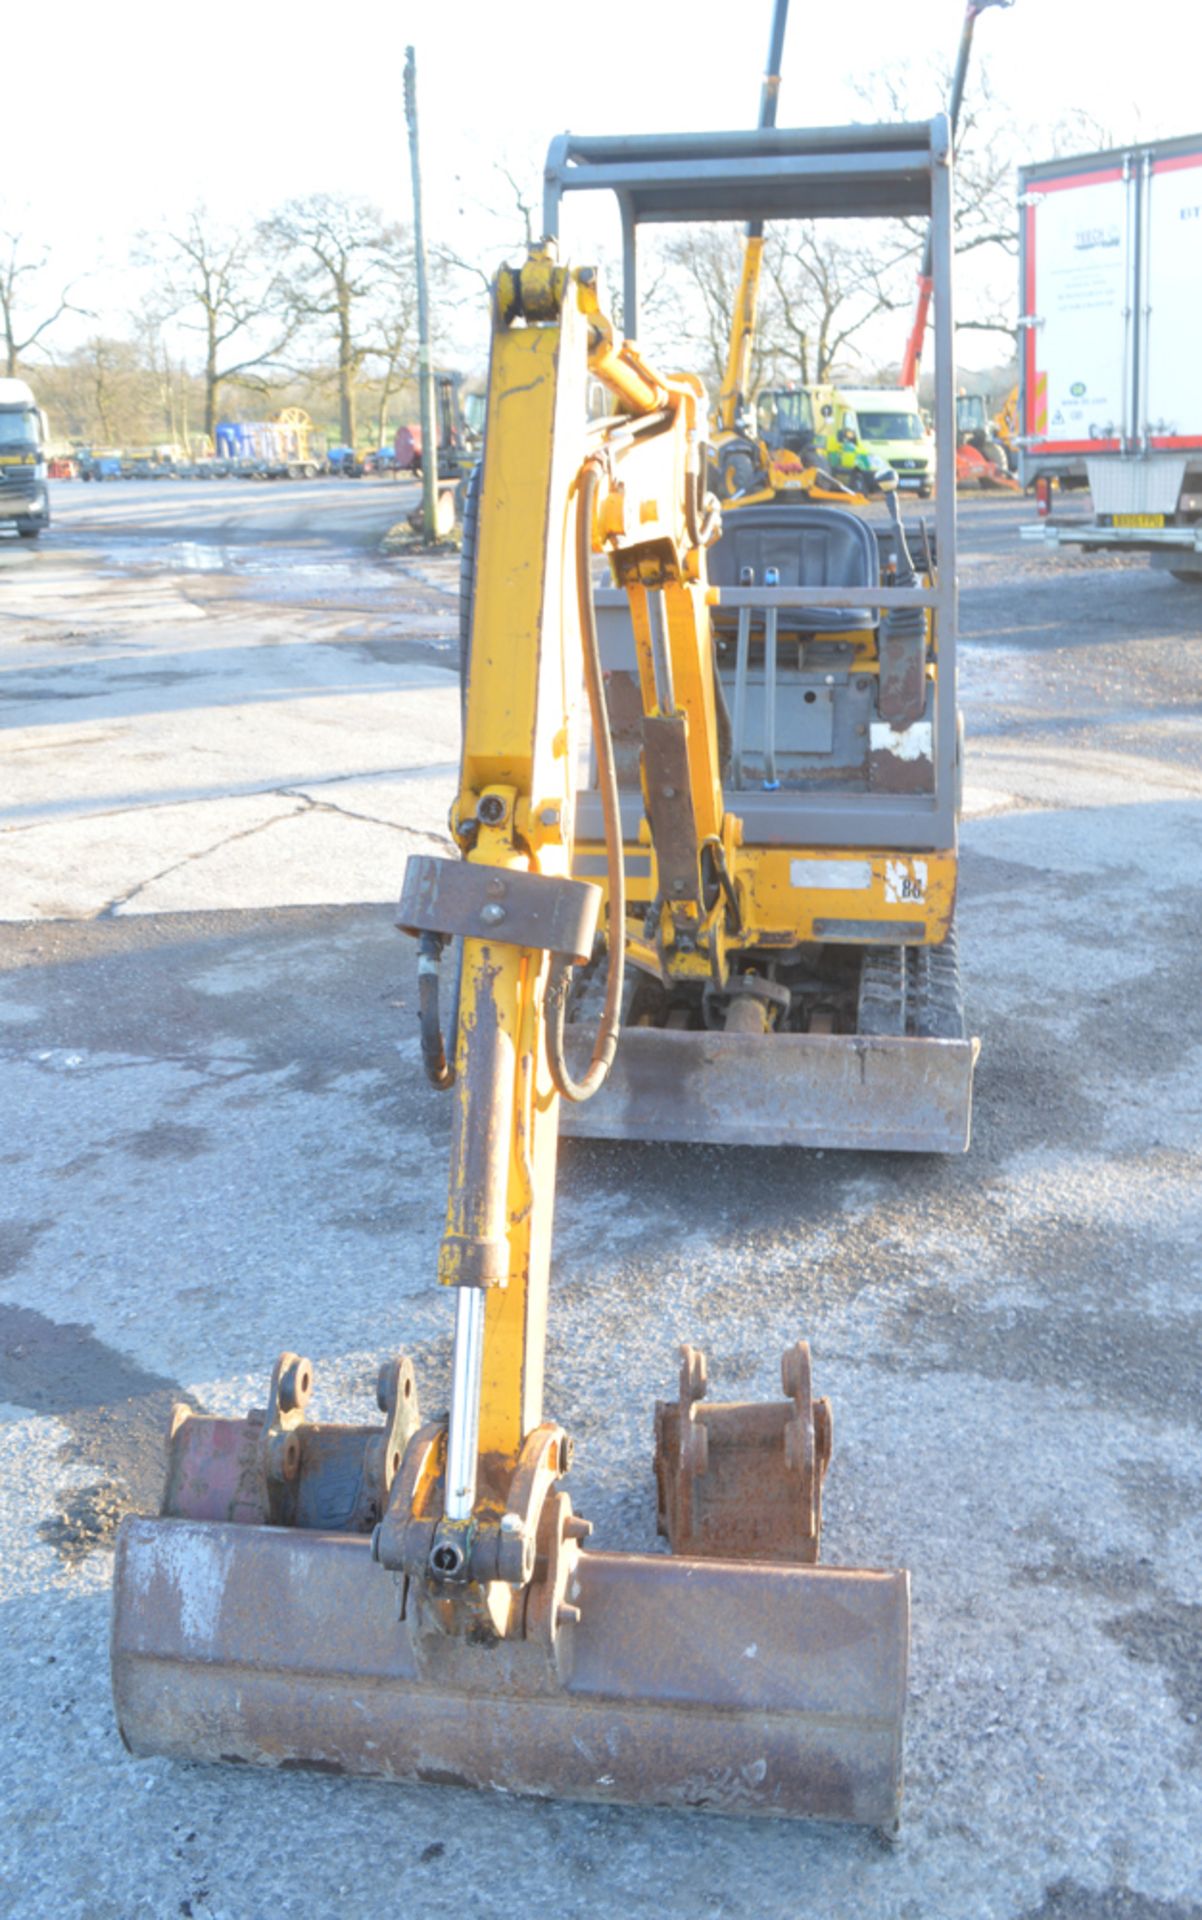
(743, 1480)
(677, 1680)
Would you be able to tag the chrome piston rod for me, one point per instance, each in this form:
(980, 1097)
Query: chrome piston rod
(463, 1426)
(742, 657)
(771, 579)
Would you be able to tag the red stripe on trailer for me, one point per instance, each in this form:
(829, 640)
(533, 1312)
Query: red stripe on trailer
(1175, 440)
(1077, 180)
(1077, 446)
(1173, 162)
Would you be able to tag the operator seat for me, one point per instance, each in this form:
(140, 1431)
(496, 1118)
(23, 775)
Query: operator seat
(809, 546)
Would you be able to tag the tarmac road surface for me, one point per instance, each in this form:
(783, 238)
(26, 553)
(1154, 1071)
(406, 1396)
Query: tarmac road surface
(229, 719)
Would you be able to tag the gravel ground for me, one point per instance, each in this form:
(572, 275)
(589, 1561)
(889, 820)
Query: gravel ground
(228, 726)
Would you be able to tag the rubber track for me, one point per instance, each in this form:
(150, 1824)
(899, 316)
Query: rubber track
(912, 990)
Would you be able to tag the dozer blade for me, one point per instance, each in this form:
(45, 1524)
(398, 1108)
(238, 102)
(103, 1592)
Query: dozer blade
(886, 1093)
(745, 1689)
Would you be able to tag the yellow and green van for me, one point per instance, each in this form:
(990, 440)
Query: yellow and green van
(886, 422)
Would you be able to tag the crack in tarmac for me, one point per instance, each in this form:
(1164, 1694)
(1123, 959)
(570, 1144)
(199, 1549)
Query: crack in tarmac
(244, 833)
(307, 805)
(433, 769)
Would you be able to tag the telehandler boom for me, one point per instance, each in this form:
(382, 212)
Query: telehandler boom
(735, 396)
(748, 464)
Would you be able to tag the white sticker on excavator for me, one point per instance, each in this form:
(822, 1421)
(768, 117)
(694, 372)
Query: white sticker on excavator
(912, 743)
(905, 880)
(835, 876)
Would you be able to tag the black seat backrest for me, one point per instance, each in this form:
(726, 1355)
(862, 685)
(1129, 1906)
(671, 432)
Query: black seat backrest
(809, 546)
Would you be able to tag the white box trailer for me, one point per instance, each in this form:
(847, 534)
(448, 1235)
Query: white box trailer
(1111, 359)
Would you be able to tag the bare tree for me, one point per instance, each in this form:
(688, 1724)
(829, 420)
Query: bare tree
(21, 272)
(688, 308)
(516, 209)
(988, 145)
(107, 393)
(819, 290)
(828, 290)
(1080, 131)
(223, 278)
(337, 259)
(166, 377)
(397, 354)
(390, 322)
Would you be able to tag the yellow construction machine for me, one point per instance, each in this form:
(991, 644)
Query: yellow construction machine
(768, 834)
(734, 399)
(1006, 428)
(838, 745)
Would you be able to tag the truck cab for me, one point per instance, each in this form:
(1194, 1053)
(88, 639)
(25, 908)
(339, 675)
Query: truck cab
(888, 425)
(784, 418)
(24, 497)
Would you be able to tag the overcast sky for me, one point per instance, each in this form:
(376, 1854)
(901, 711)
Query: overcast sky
(118, 114)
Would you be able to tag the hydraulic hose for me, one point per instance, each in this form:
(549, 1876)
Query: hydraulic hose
(605, 1044)
(439, 1071)
(701, 510)
(903, 622)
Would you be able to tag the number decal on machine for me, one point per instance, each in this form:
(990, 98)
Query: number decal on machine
(905, 880)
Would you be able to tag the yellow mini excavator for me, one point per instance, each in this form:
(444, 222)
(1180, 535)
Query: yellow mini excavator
(768, 833)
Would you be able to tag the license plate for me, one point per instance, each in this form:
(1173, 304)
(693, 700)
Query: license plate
(1139, 519)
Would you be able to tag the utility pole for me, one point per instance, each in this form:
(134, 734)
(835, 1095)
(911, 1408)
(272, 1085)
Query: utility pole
(424, 362)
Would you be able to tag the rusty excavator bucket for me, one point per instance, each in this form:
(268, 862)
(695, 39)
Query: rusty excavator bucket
(266, 1617)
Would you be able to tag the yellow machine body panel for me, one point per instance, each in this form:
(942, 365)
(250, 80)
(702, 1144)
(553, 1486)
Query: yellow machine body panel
(795, 895)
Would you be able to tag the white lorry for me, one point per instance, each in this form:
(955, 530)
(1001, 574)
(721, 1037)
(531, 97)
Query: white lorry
(1111, 360)
(24, 497)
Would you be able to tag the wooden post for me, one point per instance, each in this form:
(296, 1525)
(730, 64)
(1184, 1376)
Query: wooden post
(424, 361)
